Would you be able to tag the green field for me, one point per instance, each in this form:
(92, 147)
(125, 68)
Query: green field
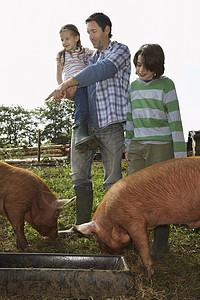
(177, 275)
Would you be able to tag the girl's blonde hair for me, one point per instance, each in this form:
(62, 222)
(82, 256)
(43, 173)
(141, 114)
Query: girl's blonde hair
(75, 32)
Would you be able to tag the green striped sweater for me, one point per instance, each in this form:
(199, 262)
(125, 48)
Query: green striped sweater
(153, 114)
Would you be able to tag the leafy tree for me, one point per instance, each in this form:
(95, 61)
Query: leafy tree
(57, 118)
(17, 127)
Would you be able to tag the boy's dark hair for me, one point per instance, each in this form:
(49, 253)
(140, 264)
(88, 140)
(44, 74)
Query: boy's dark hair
(102, 20)
(154, 58)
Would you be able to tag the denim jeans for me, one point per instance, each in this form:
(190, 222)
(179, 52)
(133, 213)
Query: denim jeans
(81, 103)
(111, 147)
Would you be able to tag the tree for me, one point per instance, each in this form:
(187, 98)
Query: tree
(17, 127)
(57, 118)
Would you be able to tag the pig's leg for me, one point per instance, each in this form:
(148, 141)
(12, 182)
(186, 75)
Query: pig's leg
(17, 223)
(139, 257)
(140, 236)
(21, 241)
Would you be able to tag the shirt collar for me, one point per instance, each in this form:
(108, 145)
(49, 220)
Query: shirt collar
(150, 81)
(74, 51)
(109, 47)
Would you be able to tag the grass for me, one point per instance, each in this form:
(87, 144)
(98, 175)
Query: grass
(177, 275)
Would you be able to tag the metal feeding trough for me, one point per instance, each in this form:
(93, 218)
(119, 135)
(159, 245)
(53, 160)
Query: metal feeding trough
(61, 275)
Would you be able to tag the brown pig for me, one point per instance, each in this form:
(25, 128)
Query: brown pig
(165, 193)
(24, 196)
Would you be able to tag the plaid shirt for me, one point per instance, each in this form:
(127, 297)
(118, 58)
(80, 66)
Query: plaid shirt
(112, 94)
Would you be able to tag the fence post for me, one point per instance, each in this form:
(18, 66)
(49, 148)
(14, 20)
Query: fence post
(39, 142)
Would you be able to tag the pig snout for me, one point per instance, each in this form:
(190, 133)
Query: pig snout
(105, 250)
(109, 248)
(53, 234)
(50, 232)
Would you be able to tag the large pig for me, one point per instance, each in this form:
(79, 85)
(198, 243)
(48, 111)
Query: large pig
(24, 196)
(165, 193)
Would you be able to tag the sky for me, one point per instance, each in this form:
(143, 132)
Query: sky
(30, 41)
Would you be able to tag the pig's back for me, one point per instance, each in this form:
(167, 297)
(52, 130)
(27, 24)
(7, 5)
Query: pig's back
(165, 186)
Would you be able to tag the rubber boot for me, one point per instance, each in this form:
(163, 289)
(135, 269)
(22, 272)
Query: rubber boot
(160, 245)
(84, 202)
(83, 141)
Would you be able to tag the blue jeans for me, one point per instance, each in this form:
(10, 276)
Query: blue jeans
(111, 146)
(81, 103)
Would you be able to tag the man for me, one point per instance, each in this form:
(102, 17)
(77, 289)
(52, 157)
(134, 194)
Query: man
(107, 81)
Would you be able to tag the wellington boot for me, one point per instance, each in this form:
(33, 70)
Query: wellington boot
(160, 245)
(84, 201)
(83, 141)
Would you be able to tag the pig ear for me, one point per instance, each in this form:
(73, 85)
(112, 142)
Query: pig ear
(87, 228)
(62, 202)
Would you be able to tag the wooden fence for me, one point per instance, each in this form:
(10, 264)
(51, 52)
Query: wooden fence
(40, 154)
(49, 155)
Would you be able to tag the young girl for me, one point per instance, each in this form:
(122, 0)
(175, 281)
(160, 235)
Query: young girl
(70, 61)
(154, 130)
